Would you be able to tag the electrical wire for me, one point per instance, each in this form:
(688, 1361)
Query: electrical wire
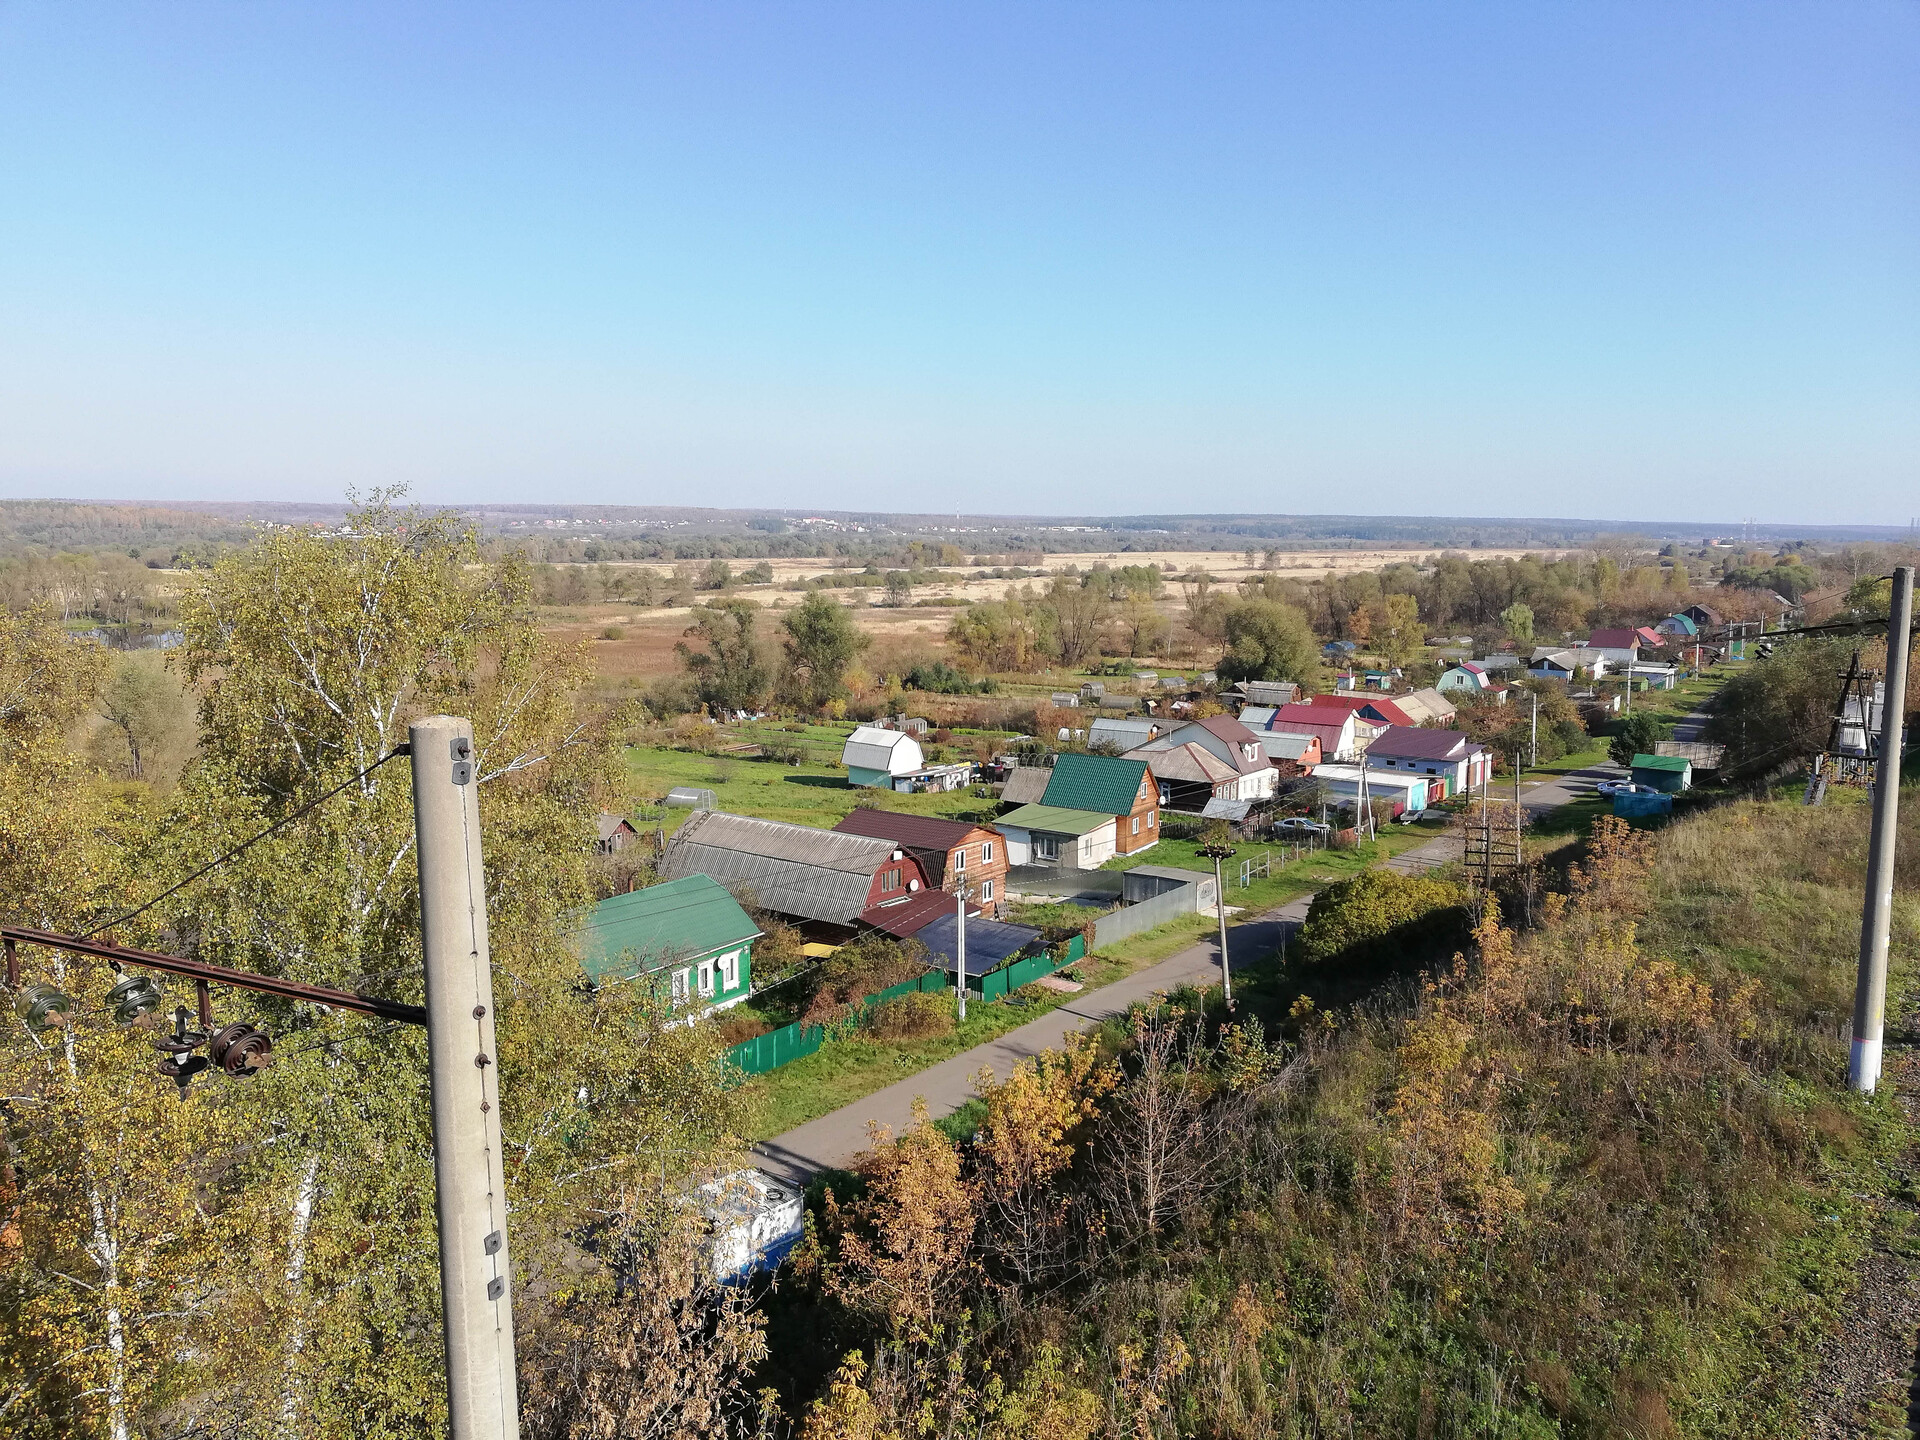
(401, 749)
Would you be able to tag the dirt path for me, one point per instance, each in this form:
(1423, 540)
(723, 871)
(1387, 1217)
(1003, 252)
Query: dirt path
(1865, 1385)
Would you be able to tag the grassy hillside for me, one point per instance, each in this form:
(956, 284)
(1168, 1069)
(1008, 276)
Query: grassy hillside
(1606, 1181)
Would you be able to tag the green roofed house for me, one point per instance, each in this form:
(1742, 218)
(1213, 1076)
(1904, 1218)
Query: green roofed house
(1109, 785)
(1050, 835)
(689, 930)
(1668, 774)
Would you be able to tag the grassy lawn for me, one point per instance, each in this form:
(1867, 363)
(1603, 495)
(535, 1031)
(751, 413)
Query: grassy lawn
(844, 1071)
(804, 794)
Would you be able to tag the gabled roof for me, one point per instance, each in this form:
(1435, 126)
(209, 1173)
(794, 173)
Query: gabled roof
(871, 748)
(928, 836)
(611, 825)
(1681, 623)
(1428, 704)
(1258, 717)
(793, 869)
(680, 919)
(1329, 736)
(1123, 731)
(1289, 716)
(1621, 638)
(1053, 820)
(1102, 783)
(1411, 742)
(1227, 728)
(1189, 762)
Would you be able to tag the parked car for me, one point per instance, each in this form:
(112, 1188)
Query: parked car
(1300, 825)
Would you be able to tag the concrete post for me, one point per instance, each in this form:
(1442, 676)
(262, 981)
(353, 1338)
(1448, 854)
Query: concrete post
(1870, 989)
(960, 958)
(470, 1185)
(1220, 908)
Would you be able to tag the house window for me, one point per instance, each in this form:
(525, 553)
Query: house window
(706, 977)
(986, 851)
(1136, 824)
(1046, 847)
(960, 859)
(682, 986)
(1153, 817)
(986, 891)
(889, 880)
(730, 971)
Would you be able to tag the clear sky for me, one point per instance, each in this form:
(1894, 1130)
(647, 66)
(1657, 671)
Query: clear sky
(1563, 259)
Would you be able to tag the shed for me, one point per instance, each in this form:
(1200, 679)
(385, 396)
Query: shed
(1267, 692)
(756, 1220)
(1668, 774)
(690, 928)
(874, 756)
(1143, 882)
(614, 833)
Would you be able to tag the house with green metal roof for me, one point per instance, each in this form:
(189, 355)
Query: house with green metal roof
(1054, 835)
(1668, 774)
(1110, 785)
(689, 934)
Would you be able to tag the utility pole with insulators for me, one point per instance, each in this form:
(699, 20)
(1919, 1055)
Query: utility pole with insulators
(960, 952)
(470, 1182)
(1217, 852)
(1870, 989)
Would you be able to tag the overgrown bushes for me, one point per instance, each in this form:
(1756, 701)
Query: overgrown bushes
(1379, 914)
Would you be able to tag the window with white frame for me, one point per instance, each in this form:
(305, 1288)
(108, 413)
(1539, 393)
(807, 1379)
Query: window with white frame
(1153, 819)
(1136, 825)
(706, 977)
(682, 986)
(986, 890)
(730, 970)
(960, 858)
(986, 851)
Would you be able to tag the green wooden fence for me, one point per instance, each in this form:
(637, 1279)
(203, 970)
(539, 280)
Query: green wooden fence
(787, 1044)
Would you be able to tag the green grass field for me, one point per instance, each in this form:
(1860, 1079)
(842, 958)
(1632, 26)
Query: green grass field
(814, 794)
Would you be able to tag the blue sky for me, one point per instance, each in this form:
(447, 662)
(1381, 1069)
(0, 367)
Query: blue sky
(1593, 260)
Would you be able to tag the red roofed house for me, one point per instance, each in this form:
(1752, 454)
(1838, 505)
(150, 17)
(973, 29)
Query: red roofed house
(1342, 734)
(1447, 754)
(1247, 774)
(1377, 708)
(1621, 644)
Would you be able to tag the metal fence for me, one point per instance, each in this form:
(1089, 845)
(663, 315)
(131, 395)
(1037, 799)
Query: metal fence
(1144, 915)
(791, 1042)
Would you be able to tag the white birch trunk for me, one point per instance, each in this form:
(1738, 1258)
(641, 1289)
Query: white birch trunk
(296, 1271)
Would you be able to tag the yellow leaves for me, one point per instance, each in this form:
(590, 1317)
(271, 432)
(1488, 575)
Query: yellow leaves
(847, 1411)
(1027, 1137)
(905, 1247)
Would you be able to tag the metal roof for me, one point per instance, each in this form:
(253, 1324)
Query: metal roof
(988, 943)
(1122, 732)
(1053, 820)
(1188, 762)
(1679, 764)
(871, 748)
(1414, 743)
(793, 869)
(928, 836)
(1281, 746)
(1104, 783)
(1257, 717)
(680, 919)
(915, 913)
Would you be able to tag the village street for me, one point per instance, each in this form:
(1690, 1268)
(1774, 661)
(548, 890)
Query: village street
(833, 1140)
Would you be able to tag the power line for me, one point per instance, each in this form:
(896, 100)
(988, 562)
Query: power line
(280, 824)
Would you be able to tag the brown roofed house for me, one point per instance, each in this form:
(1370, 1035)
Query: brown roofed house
(950, 851)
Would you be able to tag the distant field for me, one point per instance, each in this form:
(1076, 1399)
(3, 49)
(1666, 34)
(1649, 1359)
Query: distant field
(801, 794)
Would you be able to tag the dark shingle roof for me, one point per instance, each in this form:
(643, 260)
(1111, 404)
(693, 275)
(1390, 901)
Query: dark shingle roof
(928, 836)
(1100, 783)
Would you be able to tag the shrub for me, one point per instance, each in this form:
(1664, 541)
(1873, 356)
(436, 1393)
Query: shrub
(911, 1017)
(1379, 913)
(614, 632)
(736, 1025)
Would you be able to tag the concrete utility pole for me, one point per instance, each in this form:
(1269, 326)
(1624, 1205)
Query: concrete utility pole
(1870, 989)
(1217, 853)
(1533, 757)
(960, 955)
(470, 1184)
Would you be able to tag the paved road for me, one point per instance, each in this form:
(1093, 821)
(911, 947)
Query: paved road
(834, 1139)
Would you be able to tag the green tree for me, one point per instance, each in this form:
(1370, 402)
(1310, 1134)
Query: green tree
(732, 672)
(821, 643)
(1267, 641)
(1378, 912)
(1637, 735)
(147, 708)
(1781, 708)
(1079, 610)
(1518, 621)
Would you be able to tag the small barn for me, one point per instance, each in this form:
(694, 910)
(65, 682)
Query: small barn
(874, 756)
(1668, 774)
(616, 832)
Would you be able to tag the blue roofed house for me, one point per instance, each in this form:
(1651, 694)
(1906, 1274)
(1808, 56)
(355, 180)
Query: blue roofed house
(690, 935)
